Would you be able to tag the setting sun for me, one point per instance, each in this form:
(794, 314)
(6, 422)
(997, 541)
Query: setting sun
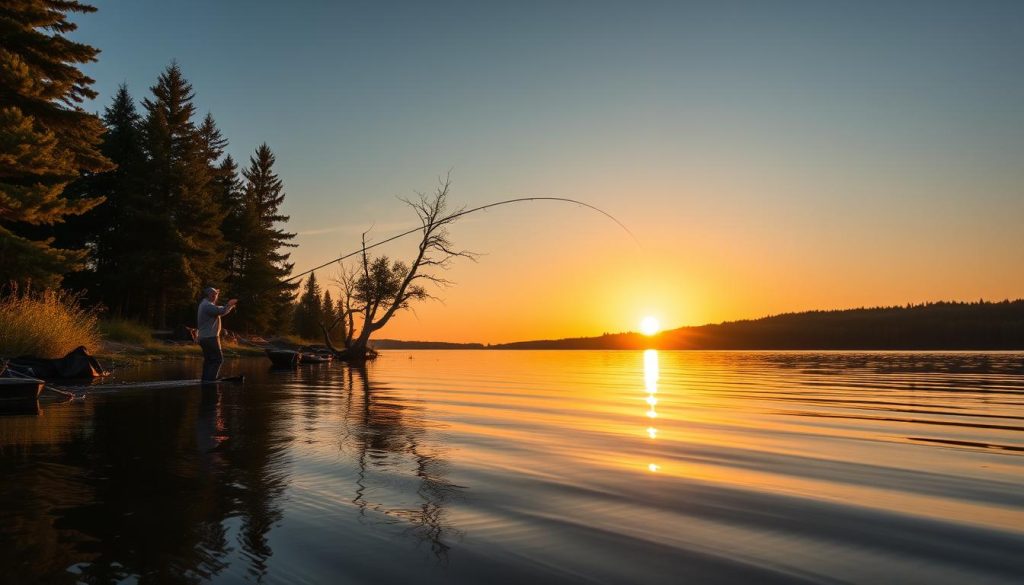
(649, 326)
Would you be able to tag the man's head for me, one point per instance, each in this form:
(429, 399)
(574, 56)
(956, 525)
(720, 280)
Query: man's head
(210, 293)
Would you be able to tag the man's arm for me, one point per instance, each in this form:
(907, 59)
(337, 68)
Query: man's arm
(212, 310)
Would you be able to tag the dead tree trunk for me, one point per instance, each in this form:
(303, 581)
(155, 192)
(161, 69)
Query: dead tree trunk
(380, 287)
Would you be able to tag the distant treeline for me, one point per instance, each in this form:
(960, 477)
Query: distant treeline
(398, 344)
(931, 326)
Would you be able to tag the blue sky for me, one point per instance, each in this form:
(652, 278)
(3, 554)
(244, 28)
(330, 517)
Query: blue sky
(869, 151)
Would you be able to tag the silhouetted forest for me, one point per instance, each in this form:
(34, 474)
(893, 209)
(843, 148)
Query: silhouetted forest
(135, 209)
(929, 326)
(399, 344)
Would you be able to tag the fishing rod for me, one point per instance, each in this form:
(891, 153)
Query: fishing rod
(449, 219)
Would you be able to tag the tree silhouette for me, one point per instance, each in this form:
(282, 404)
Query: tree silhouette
(383, 286)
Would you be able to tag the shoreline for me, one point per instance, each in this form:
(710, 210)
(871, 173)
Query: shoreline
(118, 353)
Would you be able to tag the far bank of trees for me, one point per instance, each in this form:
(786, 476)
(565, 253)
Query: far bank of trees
(980, 325)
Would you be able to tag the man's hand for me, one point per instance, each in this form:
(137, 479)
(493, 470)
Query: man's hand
(232, 302)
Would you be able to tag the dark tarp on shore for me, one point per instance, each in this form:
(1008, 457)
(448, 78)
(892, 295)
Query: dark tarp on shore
(76, 364)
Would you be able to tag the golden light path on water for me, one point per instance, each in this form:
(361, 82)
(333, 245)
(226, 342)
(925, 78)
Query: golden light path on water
(651, 386)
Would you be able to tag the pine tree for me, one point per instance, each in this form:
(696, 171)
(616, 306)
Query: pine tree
(211, 142)
(259, 262)
(46, 139)
(109, 230)
(228, 189)
(328, 312)
(309, 310)
(225, 190)
(182, 219)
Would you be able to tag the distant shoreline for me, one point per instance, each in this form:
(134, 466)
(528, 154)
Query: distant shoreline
(941, 326)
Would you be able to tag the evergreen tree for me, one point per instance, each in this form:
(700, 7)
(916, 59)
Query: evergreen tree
(309, 310)
(328, 312)
(211, 142)
(46, 139)
(225, 190)
(109, 230)
(181, 217)
(259, 263)
(228, 189)
(284, 320)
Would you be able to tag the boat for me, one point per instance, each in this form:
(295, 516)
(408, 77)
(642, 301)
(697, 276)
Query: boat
(289, 358)
(77, 364)
(20, 389)
(313, 358)
(283, 358)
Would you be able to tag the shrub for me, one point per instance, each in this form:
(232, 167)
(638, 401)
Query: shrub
(125, 331)
(47, 323)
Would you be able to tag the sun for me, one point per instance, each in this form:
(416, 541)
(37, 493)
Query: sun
(649, 325)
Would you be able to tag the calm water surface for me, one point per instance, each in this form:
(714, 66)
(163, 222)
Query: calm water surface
(538, 467)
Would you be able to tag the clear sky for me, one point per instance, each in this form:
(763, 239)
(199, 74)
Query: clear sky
(770, 156)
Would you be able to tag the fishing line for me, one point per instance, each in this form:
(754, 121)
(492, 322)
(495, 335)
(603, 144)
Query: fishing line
(451, 218)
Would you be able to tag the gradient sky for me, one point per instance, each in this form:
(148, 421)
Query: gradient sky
(770, 156)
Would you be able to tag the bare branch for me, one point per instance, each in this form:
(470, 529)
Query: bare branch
(383, 286)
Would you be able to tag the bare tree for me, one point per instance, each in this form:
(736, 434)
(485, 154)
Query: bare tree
(346, 279)
(378, 287)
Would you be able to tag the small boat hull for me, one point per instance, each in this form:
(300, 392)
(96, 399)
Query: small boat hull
(20, 389)
(312, 358)
(283, 358)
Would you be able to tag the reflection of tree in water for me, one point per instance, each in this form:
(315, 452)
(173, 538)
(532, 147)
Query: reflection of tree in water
(154, 512)
(32, 487)
(166, 473)
(256, 453)
(172, 486)
(387, 437)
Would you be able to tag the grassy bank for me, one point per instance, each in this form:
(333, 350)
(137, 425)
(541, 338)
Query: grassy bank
(127, 341)
(47, 323)
(51, 323)
(121, 353)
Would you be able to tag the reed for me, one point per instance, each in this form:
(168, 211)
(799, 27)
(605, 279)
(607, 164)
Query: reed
(46, 323)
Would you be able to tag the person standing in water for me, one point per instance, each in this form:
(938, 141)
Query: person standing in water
(208, 322)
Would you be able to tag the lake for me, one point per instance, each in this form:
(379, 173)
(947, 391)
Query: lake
(530, 467)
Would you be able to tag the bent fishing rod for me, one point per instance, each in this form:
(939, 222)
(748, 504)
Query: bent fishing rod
(449, 219)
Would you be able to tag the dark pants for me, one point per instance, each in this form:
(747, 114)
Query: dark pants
(213, 357)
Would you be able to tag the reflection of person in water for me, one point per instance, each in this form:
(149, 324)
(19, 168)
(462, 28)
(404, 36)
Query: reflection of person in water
(384, 431)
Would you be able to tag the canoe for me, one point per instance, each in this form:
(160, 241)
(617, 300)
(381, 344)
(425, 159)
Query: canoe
(20, 389)
(283, 358)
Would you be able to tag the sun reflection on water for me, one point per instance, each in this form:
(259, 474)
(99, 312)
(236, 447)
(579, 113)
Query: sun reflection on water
(651, 386)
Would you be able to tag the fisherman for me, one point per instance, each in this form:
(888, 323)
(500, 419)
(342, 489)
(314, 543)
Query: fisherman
(208, 322)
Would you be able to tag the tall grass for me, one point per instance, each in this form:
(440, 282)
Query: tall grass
(47, 323)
